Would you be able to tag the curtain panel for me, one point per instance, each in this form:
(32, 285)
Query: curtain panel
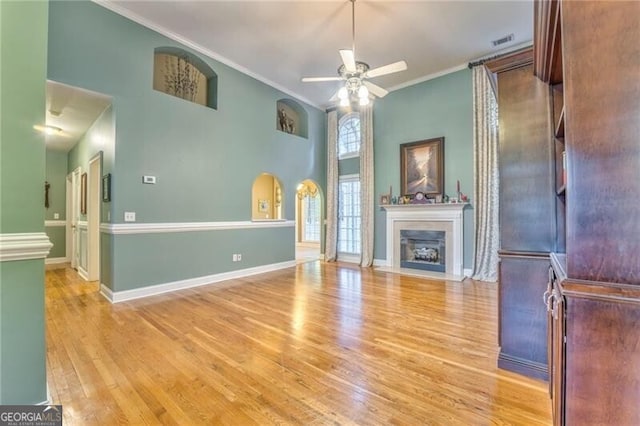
(367, 200)
(486, 189)
(331, 238)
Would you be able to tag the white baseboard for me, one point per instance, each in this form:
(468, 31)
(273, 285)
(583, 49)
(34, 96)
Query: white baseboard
(380, 262)
(153, 290)
(84, 274)
(55, 260)
(349, 258)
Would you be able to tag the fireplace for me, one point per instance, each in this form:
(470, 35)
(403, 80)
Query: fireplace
(425, 240)
(424, 250)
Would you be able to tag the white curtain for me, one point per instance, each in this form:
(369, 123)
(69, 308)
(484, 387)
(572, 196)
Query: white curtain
(366, 185)
(485, 165)
(331, 241)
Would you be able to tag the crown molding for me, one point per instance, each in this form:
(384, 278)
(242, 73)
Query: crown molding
(198, 48)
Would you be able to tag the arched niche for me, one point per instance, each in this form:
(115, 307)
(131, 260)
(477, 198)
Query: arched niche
(266, 198)
(179, 73)
(291, 117)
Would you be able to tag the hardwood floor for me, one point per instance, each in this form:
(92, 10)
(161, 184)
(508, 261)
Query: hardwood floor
(315, 344)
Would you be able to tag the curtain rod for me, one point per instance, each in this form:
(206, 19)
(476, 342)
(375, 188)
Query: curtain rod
(491, 58)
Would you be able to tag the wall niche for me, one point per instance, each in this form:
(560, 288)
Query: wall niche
(179, 73)
(291, 117)
(266, 198)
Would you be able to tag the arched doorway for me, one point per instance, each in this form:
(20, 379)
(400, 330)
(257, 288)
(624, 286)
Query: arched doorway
(308, 221)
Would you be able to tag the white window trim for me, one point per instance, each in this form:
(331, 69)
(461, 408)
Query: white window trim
(342, 255)
(350, 154)
(354, 154)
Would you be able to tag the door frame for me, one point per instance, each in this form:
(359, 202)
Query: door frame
(94, 204)
(73, 216)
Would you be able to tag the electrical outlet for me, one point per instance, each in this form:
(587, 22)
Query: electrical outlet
(56, 215)
(235, 257)
(239, 257)
(149, 179)
(129, 216)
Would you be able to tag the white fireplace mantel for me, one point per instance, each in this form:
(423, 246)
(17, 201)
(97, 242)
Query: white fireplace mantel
(446, 216)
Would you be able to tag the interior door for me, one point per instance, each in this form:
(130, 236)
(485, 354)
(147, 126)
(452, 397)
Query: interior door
(75, 217)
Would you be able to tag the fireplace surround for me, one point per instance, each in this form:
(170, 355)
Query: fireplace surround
(430, 233)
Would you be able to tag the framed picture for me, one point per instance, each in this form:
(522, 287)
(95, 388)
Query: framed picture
(263, 206)
(422, 167)
(106, 188)
(384, 199)
(83, 194)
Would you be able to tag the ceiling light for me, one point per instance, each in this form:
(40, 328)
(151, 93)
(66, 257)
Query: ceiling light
(49, 130)
(363, 92)
(344, 102)
(364, 101)
(343, 93)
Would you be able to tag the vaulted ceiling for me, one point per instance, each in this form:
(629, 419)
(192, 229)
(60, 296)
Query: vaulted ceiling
(281, 41)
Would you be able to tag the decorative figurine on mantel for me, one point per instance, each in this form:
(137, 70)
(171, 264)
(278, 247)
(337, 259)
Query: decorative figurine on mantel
(462, 198)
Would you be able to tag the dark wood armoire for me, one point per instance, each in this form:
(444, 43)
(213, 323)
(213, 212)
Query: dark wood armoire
(589, 54)
(527, 212)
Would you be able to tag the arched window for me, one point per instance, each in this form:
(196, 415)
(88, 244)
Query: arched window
(349, 136)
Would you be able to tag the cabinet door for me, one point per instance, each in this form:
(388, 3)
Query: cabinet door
(557, 355)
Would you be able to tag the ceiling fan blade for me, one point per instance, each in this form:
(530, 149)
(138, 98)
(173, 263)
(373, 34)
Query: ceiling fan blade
(348, 59)
(314, 79)
(375, 89)
(387, 69)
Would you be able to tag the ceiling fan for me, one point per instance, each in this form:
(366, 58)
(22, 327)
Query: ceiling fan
(355, 73)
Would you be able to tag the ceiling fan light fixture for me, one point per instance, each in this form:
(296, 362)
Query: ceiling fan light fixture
(344, 102)
(47, 129)
(343, 93)
(364, 101)
(363, 92)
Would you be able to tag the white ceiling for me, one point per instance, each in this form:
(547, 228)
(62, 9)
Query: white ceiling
(279, 42)
(73, 110)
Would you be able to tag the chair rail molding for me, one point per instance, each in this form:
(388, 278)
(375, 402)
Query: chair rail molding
(24, 246)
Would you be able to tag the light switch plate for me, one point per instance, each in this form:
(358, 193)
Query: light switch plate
(56, 215)
(129, 216)
(149, 179)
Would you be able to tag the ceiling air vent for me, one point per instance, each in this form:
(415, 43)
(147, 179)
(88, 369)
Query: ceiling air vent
(503, 40)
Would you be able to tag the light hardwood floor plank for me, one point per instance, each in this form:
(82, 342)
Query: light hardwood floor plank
(316, 344)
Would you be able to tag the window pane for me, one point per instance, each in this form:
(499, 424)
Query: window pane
(349, 216)
(349, 134)
(311, 224)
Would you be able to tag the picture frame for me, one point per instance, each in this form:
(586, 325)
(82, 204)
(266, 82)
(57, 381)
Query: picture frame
(385, 199)
(422, 167)
(83, 193)
(106, 188)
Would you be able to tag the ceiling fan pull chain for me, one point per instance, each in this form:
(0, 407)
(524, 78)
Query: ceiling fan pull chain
(353, 27)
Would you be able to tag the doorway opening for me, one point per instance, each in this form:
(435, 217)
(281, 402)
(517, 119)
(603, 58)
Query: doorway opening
(308, 221)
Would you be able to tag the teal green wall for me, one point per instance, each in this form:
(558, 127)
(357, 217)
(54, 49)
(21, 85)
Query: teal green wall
(99, 138)
(134, 263)
(56, 175)
(349, 166)
(23, 375)
(439, 107)
(57, 235)
(205, 160)
(23, 52)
